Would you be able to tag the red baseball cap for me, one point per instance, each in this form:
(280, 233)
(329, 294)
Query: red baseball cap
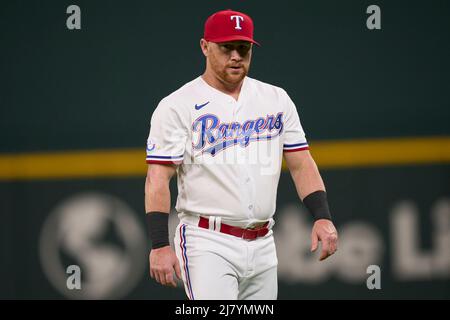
(229, 25)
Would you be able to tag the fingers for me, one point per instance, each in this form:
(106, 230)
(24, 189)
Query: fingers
(325, 250)
(314, 241)
(165, 277)
(169, 279)
(333, 244)
(160, 279)
(332, 238)
(152, 274)
(329, 246)
(177, 270)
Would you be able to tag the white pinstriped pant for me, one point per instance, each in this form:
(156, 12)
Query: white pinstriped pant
(218, 266)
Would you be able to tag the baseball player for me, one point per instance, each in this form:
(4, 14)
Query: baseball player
(224, 135)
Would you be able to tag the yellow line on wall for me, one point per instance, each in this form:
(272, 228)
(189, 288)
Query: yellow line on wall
(131, 162)
(80, 164)
(381, 152)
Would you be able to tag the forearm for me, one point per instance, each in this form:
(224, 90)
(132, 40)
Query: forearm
(157, 195)
(307, 178)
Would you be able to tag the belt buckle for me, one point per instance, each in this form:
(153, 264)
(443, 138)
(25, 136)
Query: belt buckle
(256, 225)
(249, 234)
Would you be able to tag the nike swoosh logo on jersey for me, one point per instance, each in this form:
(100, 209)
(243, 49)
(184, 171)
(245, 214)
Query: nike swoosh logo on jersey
(198, 107)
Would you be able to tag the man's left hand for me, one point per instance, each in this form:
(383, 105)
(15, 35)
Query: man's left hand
(324, 231)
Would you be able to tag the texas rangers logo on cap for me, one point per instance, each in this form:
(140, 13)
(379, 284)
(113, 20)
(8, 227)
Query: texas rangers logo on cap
(238, 19)
(229, 25)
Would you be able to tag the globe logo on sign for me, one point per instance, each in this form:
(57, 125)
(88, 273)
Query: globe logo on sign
(100, 234)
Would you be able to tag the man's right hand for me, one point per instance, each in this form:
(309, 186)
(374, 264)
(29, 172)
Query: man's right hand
(163, 262)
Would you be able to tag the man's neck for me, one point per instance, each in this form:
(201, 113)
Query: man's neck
(228, 88)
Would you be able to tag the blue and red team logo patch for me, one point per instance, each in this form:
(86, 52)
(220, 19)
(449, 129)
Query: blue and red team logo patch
(150, 146)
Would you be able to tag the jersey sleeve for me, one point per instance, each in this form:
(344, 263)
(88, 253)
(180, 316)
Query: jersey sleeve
(168, 133)
(294, 136)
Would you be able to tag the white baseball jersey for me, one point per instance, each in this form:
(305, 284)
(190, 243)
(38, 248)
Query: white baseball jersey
(229, 152)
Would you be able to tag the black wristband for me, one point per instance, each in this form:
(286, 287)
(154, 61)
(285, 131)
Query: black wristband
(158, 228)
(317, 205)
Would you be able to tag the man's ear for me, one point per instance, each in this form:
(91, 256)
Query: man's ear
(204, 46)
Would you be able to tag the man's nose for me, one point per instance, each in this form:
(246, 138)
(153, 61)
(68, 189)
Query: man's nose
(235, 55)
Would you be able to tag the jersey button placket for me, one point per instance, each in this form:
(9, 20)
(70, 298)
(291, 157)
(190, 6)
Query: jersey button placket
(244, 174)
(246, 191)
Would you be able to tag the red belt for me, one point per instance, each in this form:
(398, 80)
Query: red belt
(247, 234)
